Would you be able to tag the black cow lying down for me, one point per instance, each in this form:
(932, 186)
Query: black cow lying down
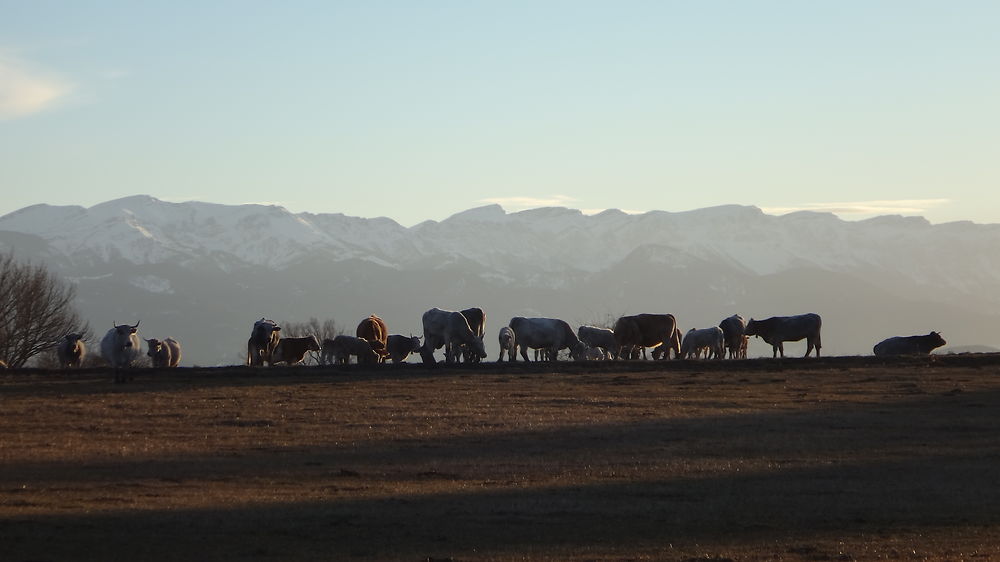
(909, 345)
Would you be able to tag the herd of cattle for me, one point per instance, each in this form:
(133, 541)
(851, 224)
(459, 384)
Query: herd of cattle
(461, 335)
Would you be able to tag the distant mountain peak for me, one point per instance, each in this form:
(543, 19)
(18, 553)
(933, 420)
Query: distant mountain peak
(486, 213)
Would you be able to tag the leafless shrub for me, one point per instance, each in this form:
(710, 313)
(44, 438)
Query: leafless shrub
(328, 329)
(36, 311)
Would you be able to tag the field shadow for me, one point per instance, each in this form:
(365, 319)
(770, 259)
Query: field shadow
(923, 462)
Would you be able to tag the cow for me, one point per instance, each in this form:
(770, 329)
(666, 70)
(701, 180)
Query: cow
(710, 338)
(400, 347)
(120, 348)
(909, 345)
(744, 343)
(643, 330)
(547, 334)
(339, 350)
(508, 343)
(732, 330)
(779, 329)
(663, 350)
(164, 353)
(450, 329)
(263, 339)
(477, 323)
(71, 351)
(598, 337)
(374, 330)
(292, 351)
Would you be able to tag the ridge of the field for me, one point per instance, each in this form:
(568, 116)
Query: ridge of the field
(534, 367)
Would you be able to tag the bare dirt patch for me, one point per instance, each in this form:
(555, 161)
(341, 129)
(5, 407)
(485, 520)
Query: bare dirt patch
(835, 459)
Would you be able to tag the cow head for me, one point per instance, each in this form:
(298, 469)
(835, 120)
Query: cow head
(751, 329)
(72, 339)
(579, 352)
(415, 343)
(123, 334)
(263, 332)
(155, 346)
(935, 339)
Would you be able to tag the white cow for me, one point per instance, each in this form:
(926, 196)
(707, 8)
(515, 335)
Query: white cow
(448, 329)
(120, 348)
(598, 337)
(711, 338)
(508, 343)
(549, 334)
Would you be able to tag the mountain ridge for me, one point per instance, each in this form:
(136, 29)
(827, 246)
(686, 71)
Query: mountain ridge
(549, 261)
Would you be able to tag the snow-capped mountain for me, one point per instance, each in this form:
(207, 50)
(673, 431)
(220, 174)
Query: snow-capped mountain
(245, 261)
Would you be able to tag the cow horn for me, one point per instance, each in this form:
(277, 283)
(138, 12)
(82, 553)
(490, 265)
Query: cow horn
(137, 323)
(114, 323)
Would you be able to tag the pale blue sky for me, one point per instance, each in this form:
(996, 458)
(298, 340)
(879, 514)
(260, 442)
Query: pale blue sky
(416, 110)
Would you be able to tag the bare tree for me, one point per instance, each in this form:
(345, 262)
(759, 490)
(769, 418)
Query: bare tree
(36, 311)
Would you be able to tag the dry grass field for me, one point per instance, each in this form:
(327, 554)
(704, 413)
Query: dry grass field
(847, 458)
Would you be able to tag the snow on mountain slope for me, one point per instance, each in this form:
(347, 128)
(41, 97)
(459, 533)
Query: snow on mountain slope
(534, 244)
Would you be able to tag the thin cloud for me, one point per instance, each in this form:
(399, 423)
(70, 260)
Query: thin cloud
(599, 211)
(25, 91)
(521, 203)
(876, 207)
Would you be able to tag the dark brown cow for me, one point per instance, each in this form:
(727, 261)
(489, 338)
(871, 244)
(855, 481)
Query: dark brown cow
(909, 345)
(664, 349)
(644, 330)
(71, 351)
(374, 330)
(477, 322)
(292, 351)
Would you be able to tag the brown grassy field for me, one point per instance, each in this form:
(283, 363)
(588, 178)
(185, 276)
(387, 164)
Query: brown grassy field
(831, 459)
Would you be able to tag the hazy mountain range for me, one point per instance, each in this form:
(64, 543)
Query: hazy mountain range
(204, 272)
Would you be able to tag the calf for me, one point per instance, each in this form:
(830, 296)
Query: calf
(598, 337)
(400, 347)
(293, 350)
(164, 353)
(508, 344)
(339, 350)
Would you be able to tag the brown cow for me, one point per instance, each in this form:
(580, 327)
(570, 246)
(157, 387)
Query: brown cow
(293, 350)
(477, 322)
(374, 330)
(663, 350)
(644, 330)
